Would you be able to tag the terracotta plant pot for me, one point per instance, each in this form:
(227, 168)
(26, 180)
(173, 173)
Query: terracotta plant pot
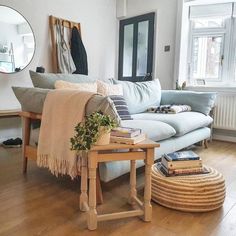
(104, 137)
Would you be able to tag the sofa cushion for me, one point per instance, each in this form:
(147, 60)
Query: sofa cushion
(198, 101)
(141, 95)
(155, 130)
(31, 99)
(89, 87)
(121, 107)
(182, 122)
(47, 80)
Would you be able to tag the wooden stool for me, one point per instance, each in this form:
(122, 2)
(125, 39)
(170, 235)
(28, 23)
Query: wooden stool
(141, 151)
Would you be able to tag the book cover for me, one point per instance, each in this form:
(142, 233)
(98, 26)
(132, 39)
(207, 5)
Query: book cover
(172, 165)
(182, 156)
(134, 140)
(125, 132)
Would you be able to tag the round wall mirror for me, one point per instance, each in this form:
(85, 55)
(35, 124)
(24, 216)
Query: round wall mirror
(17, 43)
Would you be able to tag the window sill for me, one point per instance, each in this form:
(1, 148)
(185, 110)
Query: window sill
(212, 88)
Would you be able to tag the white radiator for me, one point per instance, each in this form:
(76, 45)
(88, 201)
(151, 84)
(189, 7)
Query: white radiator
(225, 111)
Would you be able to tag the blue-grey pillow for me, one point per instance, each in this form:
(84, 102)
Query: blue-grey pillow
(47, 80)
(141, 95)
(198, 101)
(31, 99)
(121, 107)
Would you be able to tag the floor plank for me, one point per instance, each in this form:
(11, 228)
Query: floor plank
(40, 204)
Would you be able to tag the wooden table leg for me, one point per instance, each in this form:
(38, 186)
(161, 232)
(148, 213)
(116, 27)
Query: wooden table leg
(26, 138)
(92, 213)
(147, 207)
(133, 191)
(84, 184)
(99, 188)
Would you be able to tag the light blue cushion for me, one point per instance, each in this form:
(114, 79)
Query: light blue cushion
(155, 130)
(183, 123)
(199, 101)
(141, 95)
(47, 80)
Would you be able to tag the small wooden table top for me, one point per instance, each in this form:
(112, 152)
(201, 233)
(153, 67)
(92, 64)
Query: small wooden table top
(147, 143)
(140, 151)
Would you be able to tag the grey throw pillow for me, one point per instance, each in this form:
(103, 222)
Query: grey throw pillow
(103, 104)
(47, 80)
(31, 99)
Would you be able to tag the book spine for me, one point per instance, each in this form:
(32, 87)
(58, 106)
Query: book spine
(181, 164)
(123, 135)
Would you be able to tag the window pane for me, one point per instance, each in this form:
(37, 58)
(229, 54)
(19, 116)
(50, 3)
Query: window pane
(206, 57)
(128, 50)
(142, 48)
(199, 23)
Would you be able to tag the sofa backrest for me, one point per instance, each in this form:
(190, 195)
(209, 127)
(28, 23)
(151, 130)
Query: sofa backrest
(198, 101)
(140, 95)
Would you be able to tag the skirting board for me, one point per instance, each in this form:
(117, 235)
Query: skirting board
(224, 138)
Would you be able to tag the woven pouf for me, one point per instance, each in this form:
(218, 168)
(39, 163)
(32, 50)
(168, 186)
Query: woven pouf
(191, 193)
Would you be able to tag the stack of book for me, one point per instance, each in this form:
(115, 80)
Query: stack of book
(125, 135)
(181, 163)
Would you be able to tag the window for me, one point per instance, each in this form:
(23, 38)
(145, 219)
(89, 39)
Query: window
(136, 48)
(212, 44)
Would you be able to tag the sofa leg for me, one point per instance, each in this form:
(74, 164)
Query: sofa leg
(205, 142)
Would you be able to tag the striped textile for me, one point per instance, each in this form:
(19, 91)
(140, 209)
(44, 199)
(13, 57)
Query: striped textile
(121, 107)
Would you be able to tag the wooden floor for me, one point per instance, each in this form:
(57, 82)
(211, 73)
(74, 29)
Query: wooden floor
(41, 204)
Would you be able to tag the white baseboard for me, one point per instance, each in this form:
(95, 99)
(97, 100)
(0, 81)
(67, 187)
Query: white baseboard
(224, 138)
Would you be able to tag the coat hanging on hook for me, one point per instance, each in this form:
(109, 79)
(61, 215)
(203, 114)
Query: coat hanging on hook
(65, 62)
(78, 53)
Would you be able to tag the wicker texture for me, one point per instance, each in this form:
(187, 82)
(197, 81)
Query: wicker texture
(190, 193)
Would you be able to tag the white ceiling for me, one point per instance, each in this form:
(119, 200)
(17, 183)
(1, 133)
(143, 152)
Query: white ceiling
(10, 16)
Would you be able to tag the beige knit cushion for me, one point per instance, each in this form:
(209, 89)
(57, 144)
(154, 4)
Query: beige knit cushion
(90, 87)
(109, 89)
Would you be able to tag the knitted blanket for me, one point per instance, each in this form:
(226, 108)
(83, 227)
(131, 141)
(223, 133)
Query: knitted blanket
(62, 110)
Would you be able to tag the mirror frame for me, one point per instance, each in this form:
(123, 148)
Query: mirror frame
(15, 72)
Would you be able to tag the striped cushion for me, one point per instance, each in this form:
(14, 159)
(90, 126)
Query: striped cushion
(121, 107)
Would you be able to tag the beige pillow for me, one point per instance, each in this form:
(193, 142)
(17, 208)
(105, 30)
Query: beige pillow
(90, 87)
(109, 89)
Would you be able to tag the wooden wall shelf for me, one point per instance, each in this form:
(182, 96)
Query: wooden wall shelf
(9, 113)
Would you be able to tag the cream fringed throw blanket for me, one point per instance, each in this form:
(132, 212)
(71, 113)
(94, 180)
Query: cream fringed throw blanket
(62, 110)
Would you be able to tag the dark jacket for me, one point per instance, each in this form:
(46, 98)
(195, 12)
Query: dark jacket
(78, 53)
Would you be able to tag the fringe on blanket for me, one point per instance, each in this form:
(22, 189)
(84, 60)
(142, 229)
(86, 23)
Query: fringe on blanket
(61, 166)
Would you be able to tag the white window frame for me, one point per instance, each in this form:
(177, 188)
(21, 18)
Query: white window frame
(225, 73)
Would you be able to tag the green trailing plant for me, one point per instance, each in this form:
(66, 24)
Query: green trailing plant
(88, 132)
(182, 87)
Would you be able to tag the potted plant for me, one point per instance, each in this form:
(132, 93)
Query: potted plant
(94, 131)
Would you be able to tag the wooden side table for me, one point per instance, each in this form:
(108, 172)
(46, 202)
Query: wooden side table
(141, 151)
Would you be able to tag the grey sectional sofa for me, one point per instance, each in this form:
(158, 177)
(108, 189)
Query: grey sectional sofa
(172, 131)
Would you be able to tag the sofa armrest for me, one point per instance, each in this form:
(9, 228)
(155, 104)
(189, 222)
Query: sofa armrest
(199, 101)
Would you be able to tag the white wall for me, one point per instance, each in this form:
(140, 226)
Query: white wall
(98, 20)
(165, 35)
(98, 25)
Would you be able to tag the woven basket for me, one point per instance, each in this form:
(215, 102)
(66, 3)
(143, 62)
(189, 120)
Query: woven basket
(191, 193)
